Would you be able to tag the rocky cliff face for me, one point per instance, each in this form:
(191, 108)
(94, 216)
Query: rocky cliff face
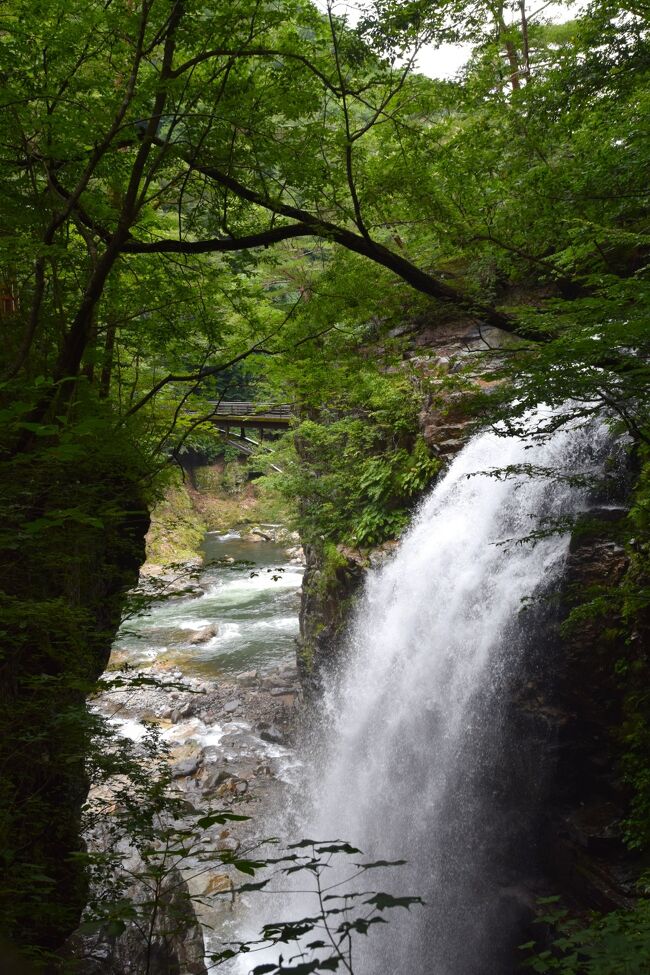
(581, 846)
(61, 603)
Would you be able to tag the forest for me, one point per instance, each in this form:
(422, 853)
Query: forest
(429, 286)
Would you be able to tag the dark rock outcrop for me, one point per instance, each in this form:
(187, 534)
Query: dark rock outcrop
(82, 535)
(582, 846)
(166, 939)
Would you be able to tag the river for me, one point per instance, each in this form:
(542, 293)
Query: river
(224, 701)
(250, 598)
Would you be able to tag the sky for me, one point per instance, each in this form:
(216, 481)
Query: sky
(446, 60)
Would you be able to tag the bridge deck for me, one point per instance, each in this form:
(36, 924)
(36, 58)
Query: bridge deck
(252, 414)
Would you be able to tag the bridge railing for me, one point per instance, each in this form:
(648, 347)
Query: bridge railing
(233, 408)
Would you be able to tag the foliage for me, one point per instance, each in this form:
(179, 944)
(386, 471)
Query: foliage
(357, 477)
(614, 944)
(142, 842)
(176, 530)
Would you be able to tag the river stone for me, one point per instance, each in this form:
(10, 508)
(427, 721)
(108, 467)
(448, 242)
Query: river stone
(187, 766)
(218, 883)
(214, 779)
(290, 671)
(281, 691)
(274, 680)
(204, 634)
(273, 735)
(228, 845)
(248, 678)
(205, 884)
(231, 706)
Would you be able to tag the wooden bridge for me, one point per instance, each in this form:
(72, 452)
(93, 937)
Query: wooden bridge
(227, 414)
(260, 416)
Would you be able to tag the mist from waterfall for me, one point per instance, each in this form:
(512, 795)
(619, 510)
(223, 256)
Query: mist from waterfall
(417, 754)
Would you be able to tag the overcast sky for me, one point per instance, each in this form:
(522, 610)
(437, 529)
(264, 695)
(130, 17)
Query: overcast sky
(446, 60)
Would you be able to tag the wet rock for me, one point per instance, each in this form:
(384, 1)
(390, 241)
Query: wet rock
(249, 678)
(214, 779)
(274, 680)
(233, 786)
(187, 766)
(289, 671)
(452, 446)
(287, 700)
(218, 883)
(258, 533)
(228, 844)
(272, 734)
(169, 942)
(204, 634)
(281, 691)
(210, 883)
(231, 706)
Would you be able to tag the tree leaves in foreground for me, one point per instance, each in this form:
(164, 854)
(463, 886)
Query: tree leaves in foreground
(324, 940)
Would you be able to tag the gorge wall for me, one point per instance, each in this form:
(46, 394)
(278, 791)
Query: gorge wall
(81, 543)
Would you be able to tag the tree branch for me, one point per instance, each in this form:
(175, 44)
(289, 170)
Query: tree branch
(366, 247)
(263, 238)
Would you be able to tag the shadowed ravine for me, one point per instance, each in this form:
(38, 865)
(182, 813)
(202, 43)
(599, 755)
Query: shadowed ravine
(419, 760)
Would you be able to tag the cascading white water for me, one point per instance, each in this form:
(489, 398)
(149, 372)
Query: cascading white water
(420, 759)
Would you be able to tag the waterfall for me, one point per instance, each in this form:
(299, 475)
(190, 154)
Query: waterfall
(422, 760)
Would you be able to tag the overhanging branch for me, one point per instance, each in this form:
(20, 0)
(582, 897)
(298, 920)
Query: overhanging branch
(264, 238)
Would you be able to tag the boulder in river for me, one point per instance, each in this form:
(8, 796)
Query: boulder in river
(214, 779)
(204, 634)
(228, 844)
(281, 691)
